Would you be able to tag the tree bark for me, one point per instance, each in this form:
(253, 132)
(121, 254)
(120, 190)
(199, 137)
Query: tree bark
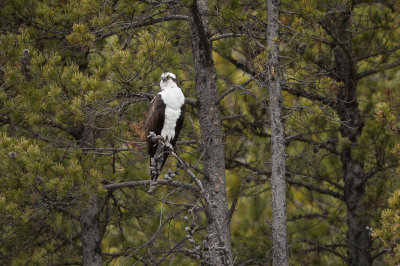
(91, 237)
(278, 187)
(90, 216)
(351, 125)
(210, 126)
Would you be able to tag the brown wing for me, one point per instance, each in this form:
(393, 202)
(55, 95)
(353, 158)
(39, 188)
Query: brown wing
(154, 122)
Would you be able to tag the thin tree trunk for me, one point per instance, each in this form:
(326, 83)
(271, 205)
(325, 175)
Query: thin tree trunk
(211, 132)
(91, 237)
(90, 216)
(278, 187)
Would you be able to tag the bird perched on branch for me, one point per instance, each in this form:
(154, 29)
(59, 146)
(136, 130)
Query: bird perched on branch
(164, 122)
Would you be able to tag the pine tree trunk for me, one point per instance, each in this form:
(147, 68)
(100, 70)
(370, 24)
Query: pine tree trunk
(358, 239)
(211, 132)
(278, 188)
(351, 126)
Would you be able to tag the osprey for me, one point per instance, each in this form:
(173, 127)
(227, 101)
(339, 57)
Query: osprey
(165, 117)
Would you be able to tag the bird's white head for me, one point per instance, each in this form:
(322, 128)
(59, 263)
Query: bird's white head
(167, 80)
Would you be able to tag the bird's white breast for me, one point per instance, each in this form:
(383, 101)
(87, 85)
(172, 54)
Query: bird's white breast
(173, 99)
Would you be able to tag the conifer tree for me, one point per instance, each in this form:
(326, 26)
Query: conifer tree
(76, 78)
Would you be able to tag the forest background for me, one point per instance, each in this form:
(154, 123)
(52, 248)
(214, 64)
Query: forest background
(76, 79)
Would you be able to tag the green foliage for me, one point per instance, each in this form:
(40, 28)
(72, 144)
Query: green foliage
(385, 116)
(389, 231)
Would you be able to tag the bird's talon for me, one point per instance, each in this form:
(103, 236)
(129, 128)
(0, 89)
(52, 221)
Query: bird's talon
(151, 189)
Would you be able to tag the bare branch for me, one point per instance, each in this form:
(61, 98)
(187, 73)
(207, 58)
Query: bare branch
(372, 71)
(378, 53)
(142, 183)
(234, 88)
(311, 96)
(292, 181)
(329, 248)
(231, 117)
(232, 209)
(307, 216)
(324, 145)
(240, 65)
(343, 45)
(150, 96)
(379, 170)
(225, 35)
(67, 263)
(146, 22)
(315, 188)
